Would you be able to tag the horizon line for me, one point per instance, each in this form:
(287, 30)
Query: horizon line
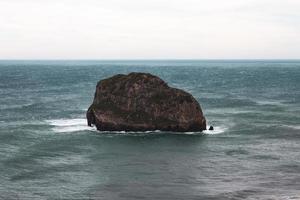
(156, 59)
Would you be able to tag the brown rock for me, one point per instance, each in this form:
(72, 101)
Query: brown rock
(143, 102)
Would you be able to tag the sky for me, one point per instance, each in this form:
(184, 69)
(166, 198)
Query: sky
(149, 29)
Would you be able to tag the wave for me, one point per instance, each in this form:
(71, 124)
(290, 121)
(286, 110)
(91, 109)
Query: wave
(69, 125)
(78, 124)
(217, 130)
(268, 102)
(295, 127)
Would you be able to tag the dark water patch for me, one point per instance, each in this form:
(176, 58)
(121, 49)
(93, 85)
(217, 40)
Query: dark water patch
(44, 172)
(234, 152)
(144, 190)
(285, 185)
(241, 194)
(265, 157)
(289, 168)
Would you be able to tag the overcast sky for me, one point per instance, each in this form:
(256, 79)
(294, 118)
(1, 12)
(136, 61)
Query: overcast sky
(149, 29)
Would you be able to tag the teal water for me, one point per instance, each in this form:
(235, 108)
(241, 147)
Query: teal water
(48, 152)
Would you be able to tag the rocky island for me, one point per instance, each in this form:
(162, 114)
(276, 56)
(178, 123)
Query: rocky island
(143, 102)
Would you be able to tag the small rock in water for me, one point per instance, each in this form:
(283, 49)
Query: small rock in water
(211, 128)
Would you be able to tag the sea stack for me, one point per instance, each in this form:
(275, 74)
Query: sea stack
(143, 102)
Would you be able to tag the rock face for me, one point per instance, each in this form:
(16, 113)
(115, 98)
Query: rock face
(143, 102)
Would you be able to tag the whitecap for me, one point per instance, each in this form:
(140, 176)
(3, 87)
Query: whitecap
(189, 133)
(67, 122)
(69, 125)
(296, 127)
(65, 160)
(269, 102)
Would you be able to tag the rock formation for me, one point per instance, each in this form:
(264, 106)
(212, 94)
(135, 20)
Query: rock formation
(143, 102)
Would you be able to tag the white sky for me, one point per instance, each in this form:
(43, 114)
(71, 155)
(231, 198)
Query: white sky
(149, 29)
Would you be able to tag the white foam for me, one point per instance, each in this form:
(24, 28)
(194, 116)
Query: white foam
(67, 122)
(65, 160)
(78, 124)
(296, 127)
(272, 103)
(217, 130)
(69, 125)
(189, 133)
(131, 132)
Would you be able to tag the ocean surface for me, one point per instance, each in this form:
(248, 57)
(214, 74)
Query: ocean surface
(48, 152)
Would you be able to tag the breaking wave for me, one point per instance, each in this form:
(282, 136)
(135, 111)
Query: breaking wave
(69, 125)
(74, 125)
(217, 130)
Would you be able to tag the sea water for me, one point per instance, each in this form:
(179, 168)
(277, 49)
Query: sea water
(48, 152)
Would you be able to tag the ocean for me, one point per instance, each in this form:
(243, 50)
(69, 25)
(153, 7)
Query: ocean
(48, 152)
